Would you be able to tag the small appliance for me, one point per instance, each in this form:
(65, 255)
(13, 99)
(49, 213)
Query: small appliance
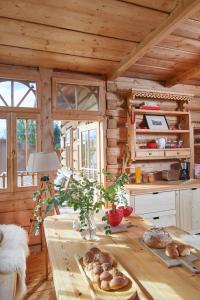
(185, 170)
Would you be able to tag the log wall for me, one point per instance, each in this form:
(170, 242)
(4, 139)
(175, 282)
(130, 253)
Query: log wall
(117, 118)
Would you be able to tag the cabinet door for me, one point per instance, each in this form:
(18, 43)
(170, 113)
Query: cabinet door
(185, 209)
(154, 202)
(196, 209)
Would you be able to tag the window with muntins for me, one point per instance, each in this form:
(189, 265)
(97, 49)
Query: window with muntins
(18, 93)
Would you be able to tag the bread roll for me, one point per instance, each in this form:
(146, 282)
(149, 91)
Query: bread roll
(96, 278)
(88, 258)
(107, 266)
(103, 257)
(97, 269)
(105, 276)
(95, 250)
(157, 238)
(116, 272)
(172, 250)
(117, 282)
(183, 250)
(105, 285)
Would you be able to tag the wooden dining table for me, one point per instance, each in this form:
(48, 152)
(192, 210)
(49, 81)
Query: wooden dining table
(154, 279)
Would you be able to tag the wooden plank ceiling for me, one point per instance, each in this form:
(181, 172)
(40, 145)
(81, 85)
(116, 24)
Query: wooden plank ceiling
(157, 39)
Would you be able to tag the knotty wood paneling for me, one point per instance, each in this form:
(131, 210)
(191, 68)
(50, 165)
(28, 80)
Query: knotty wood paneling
(41, 37)
(28, 57)
(111, 18)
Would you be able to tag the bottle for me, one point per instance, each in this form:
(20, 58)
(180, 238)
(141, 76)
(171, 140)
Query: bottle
(138, 175)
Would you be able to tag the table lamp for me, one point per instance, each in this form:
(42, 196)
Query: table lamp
(43, 162)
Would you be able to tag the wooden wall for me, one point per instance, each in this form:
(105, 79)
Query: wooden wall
(117, 117)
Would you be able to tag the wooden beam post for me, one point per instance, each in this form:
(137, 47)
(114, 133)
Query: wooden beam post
(183, 10)
(46, 114)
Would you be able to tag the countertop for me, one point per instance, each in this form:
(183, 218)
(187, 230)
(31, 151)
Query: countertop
(154, 278)
(161, 186)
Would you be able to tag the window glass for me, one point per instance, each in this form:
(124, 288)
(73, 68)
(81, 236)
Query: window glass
(79, 147)
(18, 93)
(77, 97)
(3, 153)
(26, 144)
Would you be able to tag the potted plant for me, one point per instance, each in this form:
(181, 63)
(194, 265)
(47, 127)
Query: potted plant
(83, 196)
(115, 195)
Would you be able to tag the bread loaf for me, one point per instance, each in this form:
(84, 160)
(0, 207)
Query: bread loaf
(157, 238)
(99, 268)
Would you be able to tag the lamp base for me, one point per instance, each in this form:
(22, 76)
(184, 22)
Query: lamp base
(45, 178)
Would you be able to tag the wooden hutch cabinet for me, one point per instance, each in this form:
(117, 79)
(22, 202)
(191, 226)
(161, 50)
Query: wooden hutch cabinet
(170, 107)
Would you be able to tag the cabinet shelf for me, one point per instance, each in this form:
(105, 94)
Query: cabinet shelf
(159, 112)
(162, 131)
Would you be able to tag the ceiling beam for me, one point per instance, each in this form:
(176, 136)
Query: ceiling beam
(183, 76)
(183, 10)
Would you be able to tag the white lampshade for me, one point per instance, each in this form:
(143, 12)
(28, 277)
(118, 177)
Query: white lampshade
(43, 162)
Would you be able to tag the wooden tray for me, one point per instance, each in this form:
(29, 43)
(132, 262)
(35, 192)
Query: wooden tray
(187, 261)
(129, 292)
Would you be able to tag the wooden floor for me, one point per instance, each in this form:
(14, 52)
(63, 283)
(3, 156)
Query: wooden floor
(38, 287)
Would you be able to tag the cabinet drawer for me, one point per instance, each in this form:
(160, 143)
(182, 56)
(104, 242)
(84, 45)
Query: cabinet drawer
(150, 153)
(166, 218)
(154, 202)
(177, 153)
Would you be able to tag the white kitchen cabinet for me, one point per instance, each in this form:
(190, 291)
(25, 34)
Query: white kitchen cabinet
(158, 207)
(189, 210)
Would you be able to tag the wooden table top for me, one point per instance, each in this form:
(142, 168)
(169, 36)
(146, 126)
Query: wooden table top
(158, 282)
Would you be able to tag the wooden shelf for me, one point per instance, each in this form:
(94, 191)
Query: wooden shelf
(162, 131)
(160, 112)
(197, 145)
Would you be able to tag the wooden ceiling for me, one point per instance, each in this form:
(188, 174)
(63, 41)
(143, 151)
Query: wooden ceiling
(150, 39)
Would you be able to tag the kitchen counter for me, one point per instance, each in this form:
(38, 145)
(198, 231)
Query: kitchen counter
(155, 279)
(161, 186)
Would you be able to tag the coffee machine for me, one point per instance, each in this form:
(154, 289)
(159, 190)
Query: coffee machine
(185, 170)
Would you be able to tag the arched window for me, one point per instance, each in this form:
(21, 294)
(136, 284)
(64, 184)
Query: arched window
(17, 93)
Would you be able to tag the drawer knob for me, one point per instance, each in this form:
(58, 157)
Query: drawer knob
(150, 153)
(155, 193)
(156, 218)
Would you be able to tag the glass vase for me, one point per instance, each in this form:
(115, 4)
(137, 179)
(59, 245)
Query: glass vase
(89, 231)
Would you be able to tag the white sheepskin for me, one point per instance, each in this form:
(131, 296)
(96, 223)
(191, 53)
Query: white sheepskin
(13, 252)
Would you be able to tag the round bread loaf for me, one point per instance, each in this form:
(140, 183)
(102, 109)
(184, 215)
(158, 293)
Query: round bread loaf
(157, 238)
